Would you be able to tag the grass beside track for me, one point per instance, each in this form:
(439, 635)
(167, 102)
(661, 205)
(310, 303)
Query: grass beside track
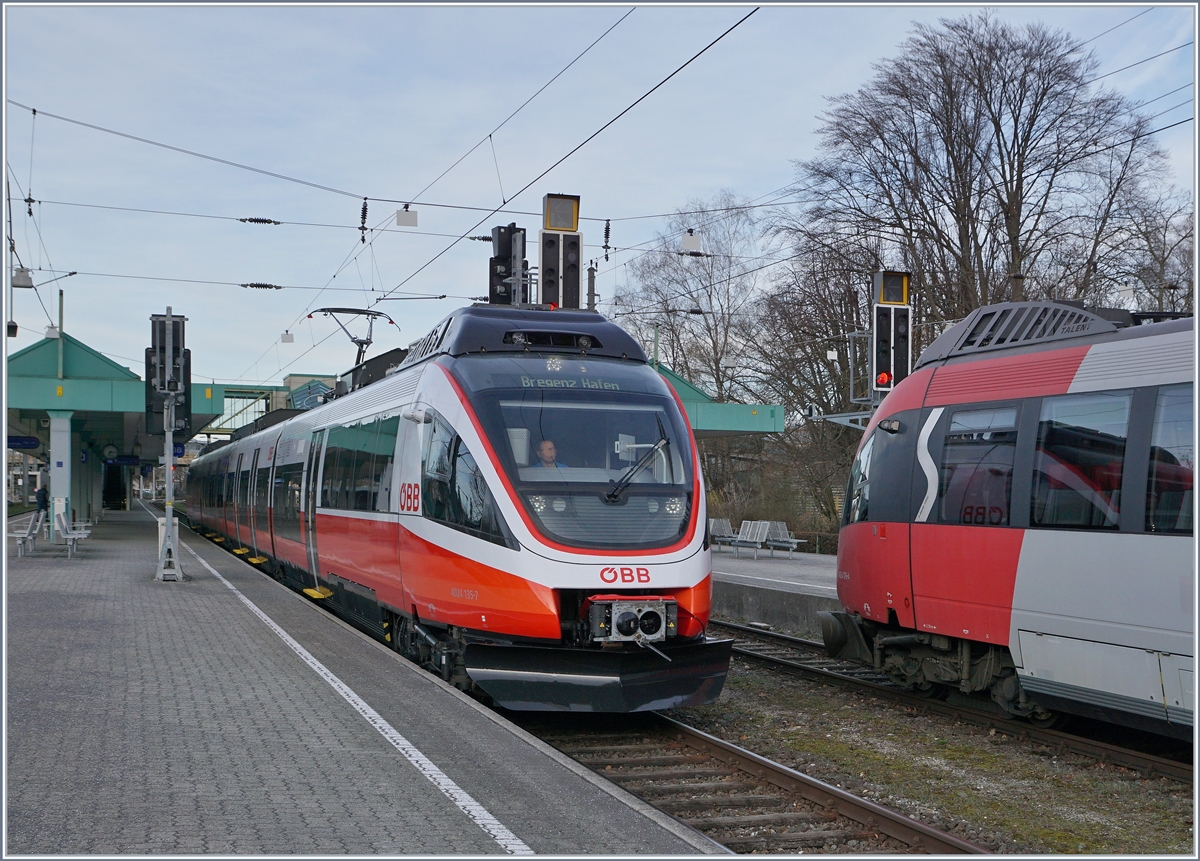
(982, 785)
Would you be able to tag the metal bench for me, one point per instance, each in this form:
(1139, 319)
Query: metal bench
(752, 534)
(778, 538)
(71, 536)
(720, 531)
(27, 540)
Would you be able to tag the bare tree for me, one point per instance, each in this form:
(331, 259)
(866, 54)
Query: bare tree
(971, 157)
(667, 284)
(1158, 269)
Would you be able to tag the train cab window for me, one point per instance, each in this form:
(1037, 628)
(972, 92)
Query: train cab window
(859, 490)
(1078, 463)
(1172, 461)
(975, 482)
(454, 491)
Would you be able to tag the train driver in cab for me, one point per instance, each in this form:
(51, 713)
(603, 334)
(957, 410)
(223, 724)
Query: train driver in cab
(548, 456)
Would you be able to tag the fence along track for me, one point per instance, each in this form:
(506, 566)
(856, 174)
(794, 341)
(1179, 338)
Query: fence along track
(807, 658)
(737, 798)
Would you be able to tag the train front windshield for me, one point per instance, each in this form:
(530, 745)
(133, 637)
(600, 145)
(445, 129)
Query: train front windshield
(596, 449)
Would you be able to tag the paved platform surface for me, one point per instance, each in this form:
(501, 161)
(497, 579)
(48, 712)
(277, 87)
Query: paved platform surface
(806, 573)
(785, 593)
(168, 718)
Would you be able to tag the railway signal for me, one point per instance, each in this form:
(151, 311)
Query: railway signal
(168, 380)
(561, 249)
(891, 330)
(500, 268)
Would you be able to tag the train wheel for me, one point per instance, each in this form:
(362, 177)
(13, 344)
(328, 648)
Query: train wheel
(1047, 720)
(931, 690)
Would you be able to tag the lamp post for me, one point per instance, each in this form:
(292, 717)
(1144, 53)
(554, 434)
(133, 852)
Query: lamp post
(657, 323)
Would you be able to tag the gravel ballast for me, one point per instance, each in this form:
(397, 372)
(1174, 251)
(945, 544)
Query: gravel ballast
(999, 791)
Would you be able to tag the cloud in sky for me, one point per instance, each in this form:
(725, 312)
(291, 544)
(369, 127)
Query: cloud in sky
(378, 101)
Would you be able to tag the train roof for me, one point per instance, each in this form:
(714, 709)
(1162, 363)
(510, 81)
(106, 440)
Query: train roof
(506, 329)
(1020, 326)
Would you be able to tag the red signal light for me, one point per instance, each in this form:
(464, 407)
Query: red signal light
(553, 306)
(883, 379)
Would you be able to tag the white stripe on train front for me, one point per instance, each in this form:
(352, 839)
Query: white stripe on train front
(927, 465)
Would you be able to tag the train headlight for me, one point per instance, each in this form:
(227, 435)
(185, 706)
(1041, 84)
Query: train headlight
(560, 505)
(652, 505)
(650, 623)
(627, 624)
(538, 503)
(674, 505)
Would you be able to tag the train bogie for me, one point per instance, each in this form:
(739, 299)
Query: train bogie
(1019, 520)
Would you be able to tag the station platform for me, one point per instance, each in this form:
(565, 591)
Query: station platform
(226, 714)
(781, 592)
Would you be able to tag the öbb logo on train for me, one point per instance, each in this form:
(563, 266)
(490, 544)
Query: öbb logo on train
(410, 497)
(611, 574)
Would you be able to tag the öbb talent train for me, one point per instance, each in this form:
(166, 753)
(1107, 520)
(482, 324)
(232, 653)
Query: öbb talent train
(518, 506)
(1018, 519)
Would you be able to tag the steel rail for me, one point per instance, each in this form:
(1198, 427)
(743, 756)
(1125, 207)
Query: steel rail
(735, 797)
(1104, 752)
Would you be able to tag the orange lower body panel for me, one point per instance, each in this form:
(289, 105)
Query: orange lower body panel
(442, 586)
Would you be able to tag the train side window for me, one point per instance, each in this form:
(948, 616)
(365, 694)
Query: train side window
(359, 474)
(330, 479)
(454, 491)
(287, 501)
(1172, 461)
(975, 481)
(1079, 459)
(385, 449)
(859, 490)
(261, 492)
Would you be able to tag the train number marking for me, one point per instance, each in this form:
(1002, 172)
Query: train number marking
(410, 497)
(613, 573)
(465, 594)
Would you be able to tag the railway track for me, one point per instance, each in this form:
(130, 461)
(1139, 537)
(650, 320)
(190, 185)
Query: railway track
(736, 798)
(807, 658)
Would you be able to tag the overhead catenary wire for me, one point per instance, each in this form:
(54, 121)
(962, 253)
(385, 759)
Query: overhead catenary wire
(522, 106)
(1138, 63)
(184, 151)
(245, 284)
(1117, 27)
(42, 242)
(580, 146)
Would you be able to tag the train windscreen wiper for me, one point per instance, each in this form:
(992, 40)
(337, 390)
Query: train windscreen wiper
(615, 494)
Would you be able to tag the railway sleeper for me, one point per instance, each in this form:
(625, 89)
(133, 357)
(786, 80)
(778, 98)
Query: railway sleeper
(760, 820)
(673, 774)
(618, 748)
(621, 762)
(784, 839)
(692, 788)
(712, 802)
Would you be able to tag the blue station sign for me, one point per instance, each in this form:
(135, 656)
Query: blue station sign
(23, 442)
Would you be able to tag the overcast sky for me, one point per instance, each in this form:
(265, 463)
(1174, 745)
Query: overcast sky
(377, 102)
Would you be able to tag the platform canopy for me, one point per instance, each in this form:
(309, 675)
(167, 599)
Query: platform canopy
(709, 418)
(75, 415)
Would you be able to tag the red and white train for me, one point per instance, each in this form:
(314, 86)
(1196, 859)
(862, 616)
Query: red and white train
(1019, 517)
(518, 506)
